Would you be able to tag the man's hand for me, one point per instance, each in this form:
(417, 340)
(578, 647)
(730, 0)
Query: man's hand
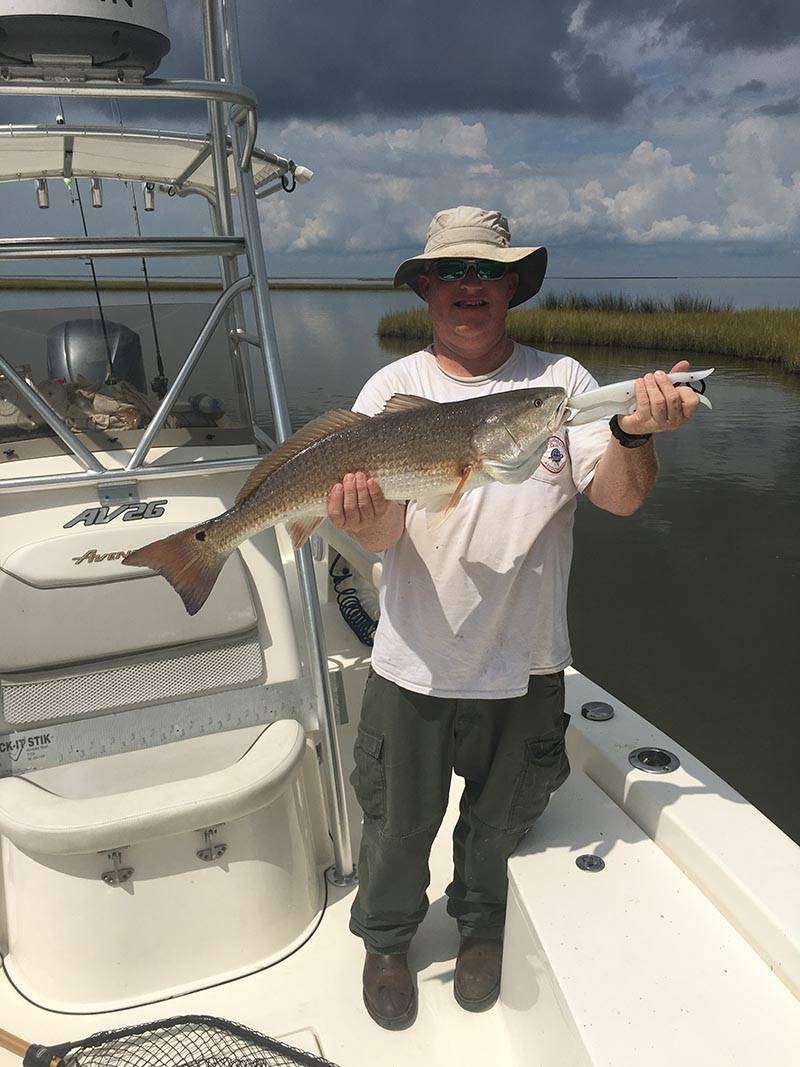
(357, 505)
(659, 405)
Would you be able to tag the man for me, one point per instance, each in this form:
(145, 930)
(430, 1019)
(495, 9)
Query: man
(468, 661)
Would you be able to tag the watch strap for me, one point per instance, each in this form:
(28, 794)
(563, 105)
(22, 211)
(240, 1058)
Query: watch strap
(627, 440)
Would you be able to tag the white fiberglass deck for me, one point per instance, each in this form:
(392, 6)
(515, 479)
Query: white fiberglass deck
(316, 992)
(631, 965)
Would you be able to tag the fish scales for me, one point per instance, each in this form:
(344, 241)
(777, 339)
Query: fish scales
(429, 446)
(416, 450)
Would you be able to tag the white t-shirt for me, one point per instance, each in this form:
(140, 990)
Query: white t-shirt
(474, 607)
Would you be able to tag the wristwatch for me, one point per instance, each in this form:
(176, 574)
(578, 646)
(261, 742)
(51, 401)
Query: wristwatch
(627, 440)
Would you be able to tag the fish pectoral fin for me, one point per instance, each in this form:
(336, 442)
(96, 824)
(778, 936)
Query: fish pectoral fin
(438, 508)
(301, 530)
(406, 402)
(322, 426)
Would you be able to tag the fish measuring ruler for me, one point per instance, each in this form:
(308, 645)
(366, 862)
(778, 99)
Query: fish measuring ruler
(148, 727)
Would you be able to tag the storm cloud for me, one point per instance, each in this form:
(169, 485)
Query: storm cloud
(323, 60)
(713, 25)
(755, 85)
(782, 107)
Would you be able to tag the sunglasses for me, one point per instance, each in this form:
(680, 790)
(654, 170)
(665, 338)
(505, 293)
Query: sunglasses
(450, 270)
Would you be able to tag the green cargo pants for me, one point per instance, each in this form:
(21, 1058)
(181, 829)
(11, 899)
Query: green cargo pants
(511, 755)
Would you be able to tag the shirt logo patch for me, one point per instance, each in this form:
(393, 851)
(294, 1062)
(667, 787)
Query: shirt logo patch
(555, 455)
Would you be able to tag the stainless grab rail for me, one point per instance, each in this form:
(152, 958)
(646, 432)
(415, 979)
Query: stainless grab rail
(195, 352)
(101, 248)
(51, 417)
(158, 88)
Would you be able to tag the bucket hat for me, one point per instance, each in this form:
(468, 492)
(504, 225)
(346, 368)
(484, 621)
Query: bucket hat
(473, 233)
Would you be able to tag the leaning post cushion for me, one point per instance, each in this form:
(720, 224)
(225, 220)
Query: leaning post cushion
(41, 821)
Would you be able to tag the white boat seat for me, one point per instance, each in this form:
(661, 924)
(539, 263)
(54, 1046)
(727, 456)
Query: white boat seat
(40, 820)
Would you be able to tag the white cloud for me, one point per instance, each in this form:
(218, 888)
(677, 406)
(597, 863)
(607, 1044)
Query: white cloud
(439, 139)
(657, 187)
(763, 201)
(376, 191)
(649, 204)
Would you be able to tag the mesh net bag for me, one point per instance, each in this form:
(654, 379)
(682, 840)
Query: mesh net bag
(188, 1041)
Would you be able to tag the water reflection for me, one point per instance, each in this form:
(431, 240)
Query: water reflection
(330, 345)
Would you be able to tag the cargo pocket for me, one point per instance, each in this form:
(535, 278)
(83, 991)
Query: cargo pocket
(368, 778)
(545, 767)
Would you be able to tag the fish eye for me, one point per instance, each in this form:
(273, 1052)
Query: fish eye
(537, 403)
(200, 535)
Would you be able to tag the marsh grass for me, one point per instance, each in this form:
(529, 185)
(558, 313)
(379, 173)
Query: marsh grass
(686, 323)
(621, 302)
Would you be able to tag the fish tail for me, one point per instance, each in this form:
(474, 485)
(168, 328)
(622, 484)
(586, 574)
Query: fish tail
(188, 560)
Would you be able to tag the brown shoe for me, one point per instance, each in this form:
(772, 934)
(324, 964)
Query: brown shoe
(477, 980)
(390, 996)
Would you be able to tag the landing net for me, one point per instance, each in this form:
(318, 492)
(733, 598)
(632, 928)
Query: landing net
(189, 1041)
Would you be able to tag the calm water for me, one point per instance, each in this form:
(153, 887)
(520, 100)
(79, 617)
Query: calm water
(687, 611)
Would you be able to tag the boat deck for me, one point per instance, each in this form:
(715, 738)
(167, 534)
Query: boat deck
(632, 965)
(312, 999)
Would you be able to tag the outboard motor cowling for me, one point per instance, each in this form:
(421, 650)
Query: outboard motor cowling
(77, 349)
(38, 37)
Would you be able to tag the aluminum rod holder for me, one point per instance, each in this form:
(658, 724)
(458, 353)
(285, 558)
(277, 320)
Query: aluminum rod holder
(192, 357)
(52, 418)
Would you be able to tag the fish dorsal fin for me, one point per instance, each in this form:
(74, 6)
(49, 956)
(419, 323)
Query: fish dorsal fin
(406, 402)
(322, 426)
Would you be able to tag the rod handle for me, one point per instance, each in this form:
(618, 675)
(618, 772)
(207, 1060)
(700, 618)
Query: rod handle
(14, 1044)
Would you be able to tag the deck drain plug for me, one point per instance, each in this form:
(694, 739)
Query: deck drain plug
(654, 760)
(597, 711)
(590, 863)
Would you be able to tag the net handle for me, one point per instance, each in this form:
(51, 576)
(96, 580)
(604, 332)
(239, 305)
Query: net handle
(28, 1053)
(14, 1044)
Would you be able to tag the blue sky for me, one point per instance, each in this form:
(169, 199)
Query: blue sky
(630, 137)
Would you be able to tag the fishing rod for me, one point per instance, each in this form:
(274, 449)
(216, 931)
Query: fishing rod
(111, 378)
(160, 383)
